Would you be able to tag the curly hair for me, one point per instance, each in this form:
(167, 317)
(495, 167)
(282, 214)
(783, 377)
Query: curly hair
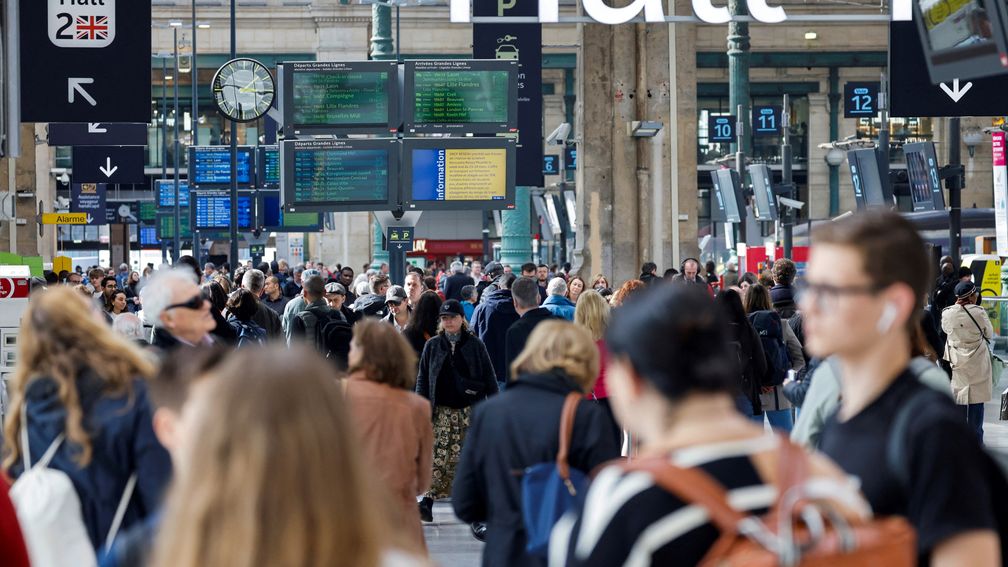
(628, 289)
(784, 272)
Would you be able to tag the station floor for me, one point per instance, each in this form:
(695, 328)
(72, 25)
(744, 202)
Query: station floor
(451, 544)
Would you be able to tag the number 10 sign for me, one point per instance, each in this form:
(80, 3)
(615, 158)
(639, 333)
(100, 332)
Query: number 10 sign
(82, 23)
(720, 128)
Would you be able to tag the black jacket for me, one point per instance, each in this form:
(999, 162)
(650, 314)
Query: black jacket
(305, 323)
(491, 321)
(518, 334)
(509, 433)
(370, 305)
(783, 300)
(269, 321)
(436, 352)
(454, 284)
(747, 344)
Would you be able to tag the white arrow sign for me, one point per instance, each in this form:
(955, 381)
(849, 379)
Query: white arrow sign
(90, 219)
(108, 170)
(75, 84)
(95, 128)
(955, 93)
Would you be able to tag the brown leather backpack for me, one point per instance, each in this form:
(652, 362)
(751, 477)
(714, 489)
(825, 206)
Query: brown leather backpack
(797, 531)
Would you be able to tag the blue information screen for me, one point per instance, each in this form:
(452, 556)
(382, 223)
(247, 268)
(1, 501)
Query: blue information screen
(213, 211)
(459, 174)
(211, 165)
(340, 174)
(721, 129)
(166, 193)
(269, 167)
(148, 237)
(766, 120)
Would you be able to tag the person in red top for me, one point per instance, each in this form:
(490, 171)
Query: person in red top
(592, 313)
(12, 546)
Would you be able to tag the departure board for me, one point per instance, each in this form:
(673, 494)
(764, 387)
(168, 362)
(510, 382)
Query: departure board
(274, 219)
(477, 97)
(165, 189)
(148, 212)
(468, 173)
(166, 225)
(211, 210)
(268, 167)
(211, 166)
(147, 235)
(331, 97)
(339, 175)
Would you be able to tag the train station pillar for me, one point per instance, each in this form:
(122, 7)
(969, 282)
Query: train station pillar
(516, 225)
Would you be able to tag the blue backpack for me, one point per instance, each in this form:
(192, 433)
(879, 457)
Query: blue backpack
(769, 326)
(550, 489)
(250, 334)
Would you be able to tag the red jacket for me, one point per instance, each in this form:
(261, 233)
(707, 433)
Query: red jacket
(12, 546)
(599, 391)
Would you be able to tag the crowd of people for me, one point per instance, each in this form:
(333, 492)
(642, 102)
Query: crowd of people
(302, 415)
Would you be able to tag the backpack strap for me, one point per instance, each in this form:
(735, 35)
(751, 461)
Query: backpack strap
(124, 501)
(26, 449)
(566, 430)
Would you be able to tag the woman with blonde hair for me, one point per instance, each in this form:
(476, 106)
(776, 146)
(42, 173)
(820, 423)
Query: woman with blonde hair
(592, 313)
(392, 423)
(269, 472)
(520, 427)
(79, 390)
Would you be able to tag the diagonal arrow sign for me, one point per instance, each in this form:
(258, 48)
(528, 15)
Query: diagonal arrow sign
(108, 170)
(955, 93)
(95, 128)
(76, 84)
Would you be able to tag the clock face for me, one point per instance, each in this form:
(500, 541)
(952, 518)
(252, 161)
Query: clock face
(243, 90)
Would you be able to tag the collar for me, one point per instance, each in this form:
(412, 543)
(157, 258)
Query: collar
(555, 381)
(207, 341)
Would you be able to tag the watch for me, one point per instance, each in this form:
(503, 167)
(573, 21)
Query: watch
(243, 89)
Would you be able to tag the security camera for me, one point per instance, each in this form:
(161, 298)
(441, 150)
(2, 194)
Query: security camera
(559, 136)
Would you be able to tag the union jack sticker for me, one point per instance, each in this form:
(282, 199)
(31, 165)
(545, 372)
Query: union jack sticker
(92, 27)
(76, 26)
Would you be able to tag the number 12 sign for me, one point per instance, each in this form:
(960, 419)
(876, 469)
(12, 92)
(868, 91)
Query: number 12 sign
(766, 120)
(82, 23)
(861, 99)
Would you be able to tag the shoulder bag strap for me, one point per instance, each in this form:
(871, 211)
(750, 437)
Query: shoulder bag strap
(566, 430)
(124, 501)
(26, 449)
(968, 314)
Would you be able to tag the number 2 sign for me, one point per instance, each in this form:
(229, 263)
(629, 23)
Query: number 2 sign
(81, 23)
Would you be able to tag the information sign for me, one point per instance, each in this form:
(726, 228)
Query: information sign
(721, 129)
(268, 167)
(210, 166)
(122, 212)
(109, 164)
(89, 198)
(332, 97)
(861, 99)
(400, 238)
(461, 96)
(165, 190)
(766, 120)
(551, 165)
(340, 175)
(65, 218)
(272, 217)
(763, 193)
(211, 210)
(922, 172)
(570, 157)
(1000, 192)
(864, 168)
(458, 174)
(166, 226)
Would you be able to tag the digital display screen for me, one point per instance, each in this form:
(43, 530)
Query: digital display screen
(212, 211)
(474, 173)
(148, 237)
(166, 226)
(148, 212)
(330, 96)
(268, 167)
(727, 184)
(211, 165)
(466, 96)
(765, 200)
(339, 175)
(166, 193)
(922, 173)
(868, 190)
(276, 220)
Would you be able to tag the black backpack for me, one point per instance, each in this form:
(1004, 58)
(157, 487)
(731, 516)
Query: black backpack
(314, 322)
(334, 337)
(770, 328)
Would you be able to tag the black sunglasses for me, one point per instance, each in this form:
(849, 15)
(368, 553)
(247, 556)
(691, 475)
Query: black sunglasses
(195, 303)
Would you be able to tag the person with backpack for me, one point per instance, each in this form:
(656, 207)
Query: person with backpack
(967, 350)
(783, 353)
(747, 347)
(79, 420)
(672, 377)
(308, 324)
(242, 307)
(908, 444)
(520, 428)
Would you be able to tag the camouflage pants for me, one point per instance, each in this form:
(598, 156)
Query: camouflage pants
(450, 426)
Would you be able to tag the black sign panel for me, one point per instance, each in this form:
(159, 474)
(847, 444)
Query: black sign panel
(85, 61)
(331, 97)
(524, 43)
(922, 172)
(570, 157)
(911, 92)
(89, 198)
(766, 120)
(122, 212)
(551, 165)
(861, 99)
(864, 168)
(97, 134)
(763, 193)
(721, 128)
(108, 164)
(340, 175)
(400, 237)
(728, 192)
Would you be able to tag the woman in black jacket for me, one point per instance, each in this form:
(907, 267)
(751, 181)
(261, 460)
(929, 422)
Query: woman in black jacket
(454, 373)
(520, 428)
(423, 322)
(746, 343)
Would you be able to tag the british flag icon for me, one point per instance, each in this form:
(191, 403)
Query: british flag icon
(92, 28)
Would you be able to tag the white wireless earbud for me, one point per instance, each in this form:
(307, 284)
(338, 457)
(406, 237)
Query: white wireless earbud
(888, 317)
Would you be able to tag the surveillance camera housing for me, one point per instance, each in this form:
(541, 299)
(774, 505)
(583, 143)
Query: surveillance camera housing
(559, 135)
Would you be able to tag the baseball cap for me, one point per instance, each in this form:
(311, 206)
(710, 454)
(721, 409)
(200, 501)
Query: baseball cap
(334, 287)
(965, 289)
(494, 268)
(451, 307)
(395, 294)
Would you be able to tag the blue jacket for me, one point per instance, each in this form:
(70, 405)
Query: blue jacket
(122, 441)
(491, 321)
(560, 306)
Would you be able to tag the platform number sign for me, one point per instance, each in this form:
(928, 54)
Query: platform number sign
(551, 165)
(861, 99)
(570, 157)
(82, 23)
(767, 120)
(721, 129)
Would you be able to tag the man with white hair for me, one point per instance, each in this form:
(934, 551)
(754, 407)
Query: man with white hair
(173, 303)
(455, 282)
(130, 326)
(556, 300)
(255, 281)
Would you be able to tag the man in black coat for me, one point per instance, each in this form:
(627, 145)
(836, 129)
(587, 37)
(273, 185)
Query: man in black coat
(525, 295)
(491, 321)
(255, 282)
(455, 282)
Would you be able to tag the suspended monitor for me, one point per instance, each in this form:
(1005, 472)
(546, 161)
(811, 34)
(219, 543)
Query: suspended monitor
(268, 167)
(333, 97)
(148, 212)
(458, 173)
(763, 193)
(165, 190)
(864, 168)
(211, 211)
(461, 96)
(717, 208)
(166, 226)
(272, 217)
(147, 237)
(210, 166)
(727, 185)
(963, 39)
(340, 175)
(922, 172)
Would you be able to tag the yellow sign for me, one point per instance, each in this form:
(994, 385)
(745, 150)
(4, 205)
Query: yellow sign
(65, 218)
(62, 263)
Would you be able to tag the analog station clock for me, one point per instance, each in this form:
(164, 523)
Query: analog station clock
(243, 89)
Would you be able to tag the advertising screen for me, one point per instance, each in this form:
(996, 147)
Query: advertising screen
(268, 167)
(471, 96)
(272, 218)
(166, 226)
(211, 166)
(340, 175)
(922, 172)
(165, 190)
(211, 210)
(458, 174)
(963, 39)
(763, 193)
(332, 97)
(868, 190)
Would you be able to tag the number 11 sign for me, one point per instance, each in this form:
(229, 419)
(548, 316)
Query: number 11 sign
(766, 120)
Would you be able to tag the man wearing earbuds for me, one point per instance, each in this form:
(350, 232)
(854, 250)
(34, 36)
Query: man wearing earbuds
(908, 444)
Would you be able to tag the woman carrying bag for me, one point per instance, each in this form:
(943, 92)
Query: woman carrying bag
(968, 351)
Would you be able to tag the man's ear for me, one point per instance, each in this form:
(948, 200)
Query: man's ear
(165, 422)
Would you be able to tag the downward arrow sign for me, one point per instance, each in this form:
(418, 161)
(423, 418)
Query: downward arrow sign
(108, 170)
(95, 128)
(90, 219)
(75, 84)
(955, 93)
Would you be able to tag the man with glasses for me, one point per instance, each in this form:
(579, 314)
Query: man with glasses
(174, 305)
